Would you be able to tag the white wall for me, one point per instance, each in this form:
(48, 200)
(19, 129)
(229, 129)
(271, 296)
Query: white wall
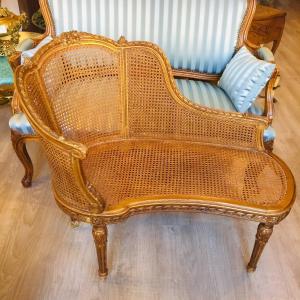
(12, 5)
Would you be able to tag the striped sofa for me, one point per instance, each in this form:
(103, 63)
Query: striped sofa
(198, 36)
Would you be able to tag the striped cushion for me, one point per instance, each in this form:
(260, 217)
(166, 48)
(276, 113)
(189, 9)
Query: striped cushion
(6, 73)
(205, 93)
(198, 35)
(244, 78)
(18, 122)
(210, 95)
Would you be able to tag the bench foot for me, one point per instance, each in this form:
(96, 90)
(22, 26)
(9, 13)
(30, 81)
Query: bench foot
(100, 238)
(263, 234)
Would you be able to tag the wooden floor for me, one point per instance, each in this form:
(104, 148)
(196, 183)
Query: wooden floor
(160, 256)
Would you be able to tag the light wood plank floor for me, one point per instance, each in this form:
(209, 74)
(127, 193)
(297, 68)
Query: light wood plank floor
(160, 256)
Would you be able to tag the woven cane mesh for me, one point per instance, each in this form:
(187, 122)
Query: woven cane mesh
(63, 178)
(154, 112)
(83, 87)
(37, 99)
(152, 169)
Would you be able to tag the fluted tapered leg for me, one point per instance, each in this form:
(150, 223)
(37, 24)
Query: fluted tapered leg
(263, 234)
(100, 238)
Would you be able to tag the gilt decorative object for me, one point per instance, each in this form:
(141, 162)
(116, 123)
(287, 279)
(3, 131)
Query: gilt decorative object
(128, 142)
(10, 24)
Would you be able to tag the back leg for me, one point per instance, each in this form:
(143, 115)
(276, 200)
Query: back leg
(19, 145)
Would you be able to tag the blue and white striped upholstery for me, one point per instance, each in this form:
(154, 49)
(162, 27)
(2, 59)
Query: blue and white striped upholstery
(198, 35)
(205, 93)
(19, 123)
(6, 74)
(212, 96)
(244, 78)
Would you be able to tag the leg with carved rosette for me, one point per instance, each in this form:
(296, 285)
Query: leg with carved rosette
(19, 145)
(263, 234)
(100, 238)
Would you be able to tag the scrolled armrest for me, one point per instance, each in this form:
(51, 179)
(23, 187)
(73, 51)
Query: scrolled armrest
(75, 149)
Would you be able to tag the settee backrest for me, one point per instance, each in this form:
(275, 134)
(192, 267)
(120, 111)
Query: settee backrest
(196, 35)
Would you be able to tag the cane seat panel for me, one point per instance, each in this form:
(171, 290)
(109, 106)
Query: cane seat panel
(142, 169)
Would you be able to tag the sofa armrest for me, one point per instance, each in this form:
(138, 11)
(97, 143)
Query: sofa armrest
(266, 54)
(269, 96)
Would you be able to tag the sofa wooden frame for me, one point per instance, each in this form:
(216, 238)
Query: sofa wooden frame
(19, 141)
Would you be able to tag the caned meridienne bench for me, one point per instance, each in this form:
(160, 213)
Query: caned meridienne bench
(137, 145)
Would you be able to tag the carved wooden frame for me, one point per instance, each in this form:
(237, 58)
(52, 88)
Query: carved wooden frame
(99, 217)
